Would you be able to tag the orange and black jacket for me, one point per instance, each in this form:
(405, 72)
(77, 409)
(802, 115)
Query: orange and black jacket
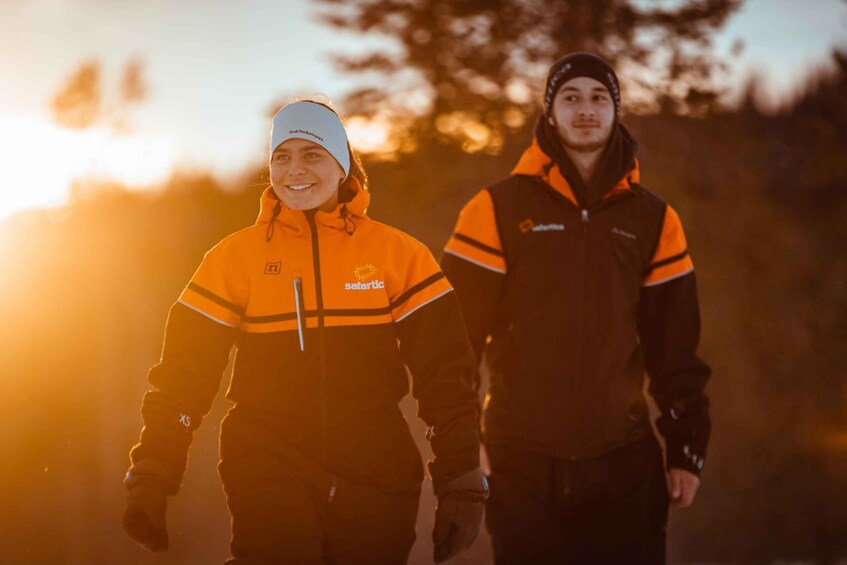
(325, 310)
(570, 303)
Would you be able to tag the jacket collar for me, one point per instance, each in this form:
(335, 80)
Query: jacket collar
(535, 163)
(294, 221)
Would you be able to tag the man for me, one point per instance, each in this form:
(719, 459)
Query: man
(574, 279)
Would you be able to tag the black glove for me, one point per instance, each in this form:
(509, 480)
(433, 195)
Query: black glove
(458, 514)
(144, 517)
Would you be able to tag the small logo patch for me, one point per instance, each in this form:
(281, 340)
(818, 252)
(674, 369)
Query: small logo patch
(526, 225)
(619, 231)
(364, 272)
(273, 268)
(305, 132)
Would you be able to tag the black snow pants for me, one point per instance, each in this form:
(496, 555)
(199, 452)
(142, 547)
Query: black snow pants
(609, 509)
(286, 508)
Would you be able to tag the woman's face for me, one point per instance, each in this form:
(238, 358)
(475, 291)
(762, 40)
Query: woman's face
(305, 176)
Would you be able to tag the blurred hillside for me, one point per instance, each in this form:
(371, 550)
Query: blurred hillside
(85, 291)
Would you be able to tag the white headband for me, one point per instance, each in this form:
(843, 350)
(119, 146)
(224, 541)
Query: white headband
(312, 122)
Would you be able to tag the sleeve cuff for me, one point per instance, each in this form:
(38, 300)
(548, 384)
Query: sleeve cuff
(685, 456)
(152, 470)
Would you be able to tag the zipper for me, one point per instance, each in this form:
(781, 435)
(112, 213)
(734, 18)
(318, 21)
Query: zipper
(298, 305)
(584, 219)
(316, 263)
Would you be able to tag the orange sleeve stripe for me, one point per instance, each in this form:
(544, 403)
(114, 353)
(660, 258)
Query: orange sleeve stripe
(420, 295)
(671, 259)
(670, 271)
(476, 253)
(210, 305)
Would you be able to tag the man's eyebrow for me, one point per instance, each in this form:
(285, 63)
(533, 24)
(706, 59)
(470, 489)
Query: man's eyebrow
(593, 89)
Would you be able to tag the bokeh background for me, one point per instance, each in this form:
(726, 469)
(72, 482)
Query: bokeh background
(132, 139)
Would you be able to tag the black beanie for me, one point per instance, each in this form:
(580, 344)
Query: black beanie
(581, 65)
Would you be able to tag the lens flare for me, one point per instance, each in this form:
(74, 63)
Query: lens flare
(42, 160)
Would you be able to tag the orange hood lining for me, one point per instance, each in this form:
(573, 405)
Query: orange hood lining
(535, 163)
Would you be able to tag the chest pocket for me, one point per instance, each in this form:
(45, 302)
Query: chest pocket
(626, 246)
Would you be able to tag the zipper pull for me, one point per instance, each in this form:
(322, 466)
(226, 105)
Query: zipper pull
(298, 293)
(331, 491)
(584, 216)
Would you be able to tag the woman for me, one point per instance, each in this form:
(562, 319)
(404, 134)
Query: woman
(325, 307)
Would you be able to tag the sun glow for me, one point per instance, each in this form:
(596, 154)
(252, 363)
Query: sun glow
(371, 135)
(40, 161)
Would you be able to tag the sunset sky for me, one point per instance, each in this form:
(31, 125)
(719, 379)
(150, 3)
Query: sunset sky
(215, 67)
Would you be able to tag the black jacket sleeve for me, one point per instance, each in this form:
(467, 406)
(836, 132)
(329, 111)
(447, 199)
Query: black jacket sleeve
(669, 330)
(185, 382)
(478, 291)
(434, 346)
(475, 263)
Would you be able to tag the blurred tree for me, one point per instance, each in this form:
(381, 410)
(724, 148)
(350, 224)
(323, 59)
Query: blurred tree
(133, 85)
(82, 103)
(471, 70)
(133, 91)
(809, 158)
(78, 104)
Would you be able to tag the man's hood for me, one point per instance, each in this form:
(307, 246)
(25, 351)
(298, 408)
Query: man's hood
(537, 163)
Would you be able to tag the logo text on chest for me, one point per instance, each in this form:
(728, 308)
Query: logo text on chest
(370, 285)
(626, 234)
(273, 268)
(528, 225)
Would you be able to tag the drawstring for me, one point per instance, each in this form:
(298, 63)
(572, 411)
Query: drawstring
(347, 219)
(349, 224)
(270, 232)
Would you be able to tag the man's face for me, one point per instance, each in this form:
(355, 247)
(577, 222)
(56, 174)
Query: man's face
(305, 176)
(583, 113)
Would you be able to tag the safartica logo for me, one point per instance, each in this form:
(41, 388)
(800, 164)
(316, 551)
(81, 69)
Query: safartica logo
(363, 275)
(371, 285)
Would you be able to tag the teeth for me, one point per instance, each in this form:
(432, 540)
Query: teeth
(300, 186)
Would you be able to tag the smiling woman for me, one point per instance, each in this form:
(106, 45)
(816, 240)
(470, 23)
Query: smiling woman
(42, 160)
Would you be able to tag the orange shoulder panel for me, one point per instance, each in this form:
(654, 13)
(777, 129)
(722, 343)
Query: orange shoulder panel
(420, 283)
(671, 258)
(219, 288)
(475, 237)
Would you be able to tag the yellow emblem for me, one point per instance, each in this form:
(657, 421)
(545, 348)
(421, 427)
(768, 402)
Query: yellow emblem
(364, 272)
